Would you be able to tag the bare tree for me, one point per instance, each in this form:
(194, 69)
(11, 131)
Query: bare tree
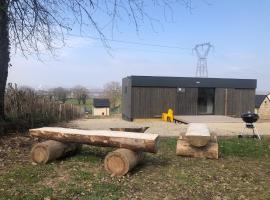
(60, 94)
(112, 91)
(37, 25)
(81, 94)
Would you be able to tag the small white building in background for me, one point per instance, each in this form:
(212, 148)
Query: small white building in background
(101, 107)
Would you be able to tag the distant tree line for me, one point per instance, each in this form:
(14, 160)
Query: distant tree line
(111, 90)
(62, 94)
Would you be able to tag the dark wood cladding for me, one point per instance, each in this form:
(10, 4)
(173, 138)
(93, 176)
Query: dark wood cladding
(240, 101)
(237, 102)
(149, 102)
(220, 96)
(126, 99)
(186, 101)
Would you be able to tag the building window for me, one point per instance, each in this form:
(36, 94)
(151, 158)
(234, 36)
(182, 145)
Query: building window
(125, 89)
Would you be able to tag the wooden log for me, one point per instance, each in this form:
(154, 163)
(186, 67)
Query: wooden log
(183, 148)
(121, 161)
(50, 150)
(198, 135)
(134, 141)
(213, 137)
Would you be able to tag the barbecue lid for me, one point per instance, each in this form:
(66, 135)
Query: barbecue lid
(250, 117)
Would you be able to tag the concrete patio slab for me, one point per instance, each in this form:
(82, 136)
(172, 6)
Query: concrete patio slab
(187, 119)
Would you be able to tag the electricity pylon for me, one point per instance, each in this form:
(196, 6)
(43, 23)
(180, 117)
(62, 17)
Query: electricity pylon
(202, 51)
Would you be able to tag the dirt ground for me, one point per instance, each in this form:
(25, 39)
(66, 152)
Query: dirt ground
(165, 129)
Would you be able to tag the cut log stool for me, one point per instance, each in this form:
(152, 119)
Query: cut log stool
(183, 148)
(121, 161)
(197, 142)
(50, 150)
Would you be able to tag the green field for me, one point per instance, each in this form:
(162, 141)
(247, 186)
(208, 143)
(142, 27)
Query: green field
(242, 172)
(88, 104)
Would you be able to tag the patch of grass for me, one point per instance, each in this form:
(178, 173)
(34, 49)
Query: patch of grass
(168, 144)
(88, 104)
(91, 154)
(24, 193)
(183, 177)
(106, 191)
(21, 181)
(93, 189)
(85, 157)
(75, 189)
(26, 175)
(70, 191)
(244, 147)
(82, 175)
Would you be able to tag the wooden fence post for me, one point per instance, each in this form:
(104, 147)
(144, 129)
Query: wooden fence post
(60, 112)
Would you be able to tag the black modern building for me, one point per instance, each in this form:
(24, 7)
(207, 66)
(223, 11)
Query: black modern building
(149, 96)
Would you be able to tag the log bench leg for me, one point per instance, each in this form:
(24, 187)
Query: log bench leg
(50, 150)
(183, 148)
(121, 161)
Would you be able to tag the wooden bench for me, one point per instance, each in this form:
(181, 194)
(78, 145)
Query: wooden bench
(62, 140)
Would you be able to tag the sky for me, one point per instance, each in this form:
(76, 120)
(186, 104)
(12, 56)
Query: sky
(238, 30)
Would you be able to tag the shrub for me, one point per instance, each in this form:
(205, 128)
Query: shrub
(25, 108)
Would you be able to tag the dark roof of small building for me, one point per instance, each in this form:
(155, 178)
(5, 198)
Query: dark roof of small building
(161, 81)
(101, 103)
(259, 100)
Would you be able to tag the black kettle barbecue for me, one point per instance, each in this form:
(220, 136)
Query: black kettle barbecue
(250, 118)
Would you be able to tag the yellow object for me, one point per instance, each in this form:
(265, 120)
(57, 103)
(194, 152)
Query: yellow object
(168, 117)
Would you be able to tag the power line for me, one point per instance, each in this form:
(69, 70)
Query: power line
(144, 50)
(134, 43)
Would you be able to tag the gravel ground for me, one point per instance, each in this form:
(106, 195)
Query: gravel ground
(163, 128)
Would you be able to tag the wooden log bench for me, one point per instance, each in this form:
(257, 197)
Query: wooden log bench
(197, 142)
(119, 162)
